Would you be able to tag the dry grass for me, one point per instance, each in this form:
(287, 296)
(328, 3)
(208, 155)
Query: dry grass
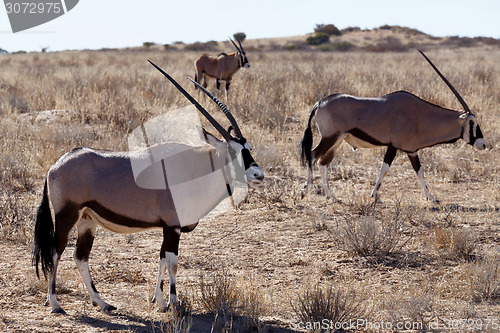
(279, 240)
(327, 308)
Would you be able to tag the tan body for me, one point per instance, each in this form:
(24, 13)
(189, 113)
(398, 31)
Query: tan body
(221, 67)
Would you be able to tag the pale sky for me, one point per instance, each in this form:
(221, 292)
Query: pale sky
(95, 24)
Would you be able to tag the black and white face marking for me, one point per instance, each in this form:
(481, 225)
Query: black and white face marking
(472, 133)
(253, 173)
(244, 60)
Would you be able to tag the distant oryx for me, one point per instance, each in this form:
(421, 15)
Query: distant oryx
(89, 187)
(398, 120)
(221, 67)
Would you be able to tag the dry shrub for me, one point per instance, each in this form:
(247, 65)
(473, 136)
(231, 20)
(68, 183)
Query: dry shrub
(456, 243)
(15, 217)
(328, 304)
(368, 235)
(482, 279)
(182, 320)
(235, 307)
(416, 310)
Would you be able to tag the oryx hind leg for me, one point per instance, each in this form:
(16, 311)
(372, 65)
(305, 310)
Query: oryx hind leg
(415, 162)
(386, 164)
(65, 220)
(228, 83)
(168, 261)
(325, 152)
(86, 233)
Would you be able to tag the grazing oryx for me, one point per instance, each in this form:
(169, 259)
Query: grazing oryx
(88, 187)
(398, 120)
(221, 67)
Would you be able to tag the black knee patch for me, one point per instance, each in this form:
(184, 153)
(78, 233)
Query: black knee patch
(172, 290)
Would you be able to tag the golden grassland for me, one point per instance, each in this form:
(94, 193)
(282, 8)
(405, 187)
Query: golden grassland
(403, 259)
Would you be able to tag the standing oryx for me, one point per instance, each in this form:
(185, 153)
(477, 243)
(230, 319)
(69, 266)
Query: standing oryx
(398, 120)
(221, 67)
(88, 187)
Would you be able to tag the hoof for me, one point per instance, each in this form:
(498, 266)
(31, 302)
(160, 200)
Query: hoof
(59, 311)
(109, 308)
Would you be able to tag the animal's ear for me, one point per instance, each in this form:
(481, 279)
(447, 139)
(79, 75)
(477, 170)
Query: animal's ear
(231, 129)
(209, 138)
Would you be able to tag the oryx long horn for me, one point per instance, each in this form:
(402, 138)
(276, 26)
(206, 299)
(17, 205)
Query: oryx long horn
(212, 121)
(236, 46)
(222, 107)
(241, 46)
(460, 99)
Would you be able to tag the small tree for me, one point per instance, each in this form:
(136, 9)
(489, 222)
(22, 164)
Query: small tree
(241, 36)
(148, 44)
(318, 38)
(329, 29)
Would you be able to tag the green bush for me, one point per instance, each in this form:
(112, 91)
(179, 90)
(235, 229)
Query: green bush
(241, 36)
(290, 47)
(318, 38)
(148, 44)
(329, 29)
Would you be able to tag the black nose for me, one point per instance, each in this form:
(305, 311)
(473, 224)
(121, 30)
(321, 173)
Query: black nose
(259, 177)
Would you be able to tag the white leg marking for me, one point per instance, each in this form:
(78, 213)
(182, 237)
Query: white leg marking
(309, 182)
(51, 297)
(429, 196)
(83, 267)
(383, 171)
(158, 295)
(324, 176)
(172, 260)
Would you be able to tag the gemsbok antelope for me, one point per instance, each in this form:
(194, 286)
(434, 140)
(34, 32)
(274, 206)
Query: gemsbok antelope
(89, 187)
(399, 120)
(221, 67)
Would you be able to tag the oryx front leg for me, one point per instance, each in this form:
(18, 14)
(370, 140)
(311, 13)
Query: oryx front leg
(168, 260)
(388, 158)
(217, 82)
(228, 83)
(86, 233)
(415, 162)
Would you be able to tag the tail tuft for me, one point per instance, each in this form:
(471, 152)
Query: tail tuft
(43, 245)
(307, 141)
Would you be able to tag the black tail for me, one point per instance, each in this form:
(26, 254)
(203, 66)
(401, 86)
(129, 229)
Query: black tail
(307, 141)
(196, 79)
(43, 246)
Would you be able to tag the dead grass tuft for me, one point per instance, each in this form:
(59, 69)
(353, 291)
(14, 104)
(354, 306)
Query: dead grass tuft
(482, 279)
(455, 243)
(370, 235)
(236, 307)
(327, 303)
